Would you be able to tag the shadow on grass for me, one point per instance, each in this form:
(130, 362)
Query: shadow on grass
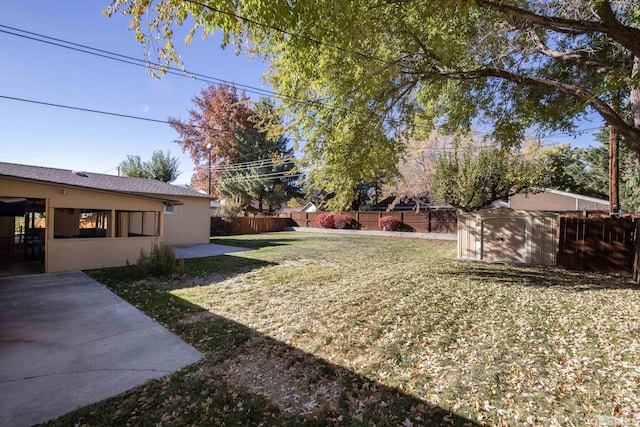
(247, 378)
(540, 277)
(254, 243)
(198, 272)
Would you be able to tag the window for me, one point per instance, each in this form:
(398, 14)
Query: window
(170, 209)
(71, 223)
(137, 223)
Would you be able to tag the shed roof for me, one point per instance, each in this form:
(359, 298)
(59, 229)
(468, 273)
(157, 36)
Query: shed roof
(96, 181)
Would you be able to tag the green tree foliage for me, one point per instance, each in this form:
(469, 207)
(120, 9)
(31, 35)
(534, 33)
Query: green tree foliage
(470, 176)
(586, 171)
(133, 167)
(357, 76)
(265, 173)
(161, 167)
(566, 170)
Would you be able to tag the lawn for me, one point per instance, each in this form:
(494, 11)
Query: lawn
(339, 330)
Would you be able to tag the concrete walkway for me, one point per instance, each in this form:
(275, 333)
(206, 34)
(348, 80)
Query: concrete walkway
(202, 251)
(67, 341)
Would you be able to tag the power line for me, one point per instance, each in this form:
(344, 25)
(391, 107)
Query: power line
(88, 110)
(251, 165)
(249, 178)
(170, 70)
(110, 113)
(575, 133)
(200, 77)
(114, 56)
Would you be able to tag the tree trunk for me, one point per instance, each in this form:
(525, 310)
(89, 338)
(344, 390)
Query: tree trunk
(634, 100)
(614, 199)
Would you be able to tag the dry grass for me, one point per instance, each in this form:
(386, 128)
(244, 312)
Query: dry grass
(350, 330)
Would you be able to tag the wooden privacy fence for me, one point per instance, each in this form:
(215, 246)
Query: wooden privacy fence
(436, 221)
(598, 244)
(249, 225)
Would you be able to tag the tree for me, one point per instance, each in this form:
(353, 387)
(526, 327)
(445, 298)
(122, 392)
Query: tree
(132, 167)
(265, 173)
(470, 176)
(355, 77)
(565, 169)
(586, 170)
(210, 133)
(161, 167)
(416, 168)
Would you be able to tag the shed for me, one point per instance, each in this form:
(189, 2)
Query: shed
(509, 235)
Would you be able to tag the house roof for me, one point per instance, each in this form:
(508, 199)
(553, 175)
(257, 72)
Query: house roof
(96, 181)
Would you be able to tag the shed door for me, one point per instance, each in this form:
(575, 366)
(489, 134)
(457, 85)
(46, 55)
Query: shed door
(504, 239)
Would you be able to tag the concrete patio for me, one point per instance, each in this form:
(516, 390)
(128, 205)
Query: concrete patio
(202, 251)
(67, 341)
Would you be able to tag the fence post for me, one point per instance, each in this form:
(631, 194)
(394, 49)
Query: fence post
(429, 221)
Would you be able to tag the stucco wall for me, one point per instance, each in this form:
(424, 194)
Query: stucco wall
(190, 224)
(84, 254)
(87, 253)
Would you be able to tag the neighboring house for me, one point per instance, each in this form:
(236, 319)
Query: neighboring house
(557, 201)
(309, 207)
(83, 220)
(405, 204)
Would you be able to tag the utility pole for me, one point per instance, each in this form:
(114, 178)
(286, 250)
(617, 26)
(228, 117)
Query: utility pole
(614, 174)
(209, 147)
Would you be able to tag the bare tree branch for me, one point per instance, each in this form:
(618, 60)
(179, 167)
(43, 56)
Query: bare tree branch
(569, 57)
(626, 36)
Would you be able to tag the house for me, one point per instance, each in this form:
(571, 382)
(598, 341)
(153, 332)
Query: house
(557, 201)
(309, 207)
(61, 220)
(406, 204)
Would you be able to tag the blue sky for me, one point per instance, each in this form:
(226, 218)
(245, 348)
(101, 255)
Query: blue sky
(48, 136)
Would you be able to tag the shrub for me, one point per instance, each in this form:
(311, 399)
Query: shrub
(325, 220)
(229, 211)
(342, 221)
(389, 223)
(161, 261)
